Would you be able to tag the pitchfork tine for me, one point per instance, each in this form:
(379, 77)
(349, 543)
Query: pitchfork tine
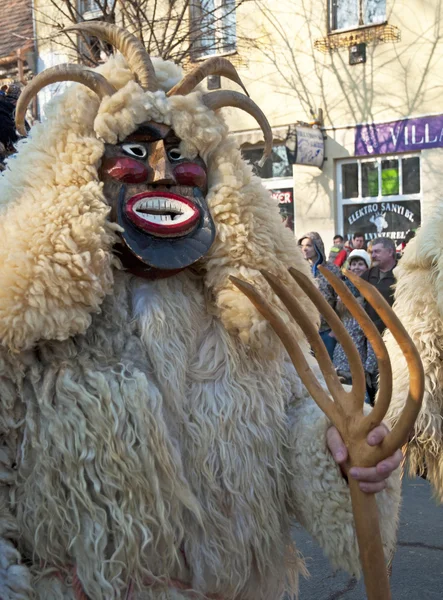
(293, 349)
(375, 339)
(352, 424)
(343, 337)
(310, 330)
(400, 433)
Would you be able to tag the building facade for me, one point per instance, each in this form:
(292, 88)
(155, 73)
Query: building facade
(351, 89)
(374, 67)
(17, 41)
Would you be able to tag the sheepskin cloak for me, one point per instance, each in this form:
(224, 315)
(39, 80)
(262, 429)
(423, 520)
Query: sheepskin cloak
(419, 304)
(151, 431)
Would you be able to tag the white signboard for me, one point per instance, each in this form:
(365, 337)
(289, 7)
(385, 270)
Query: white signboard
(310, 149)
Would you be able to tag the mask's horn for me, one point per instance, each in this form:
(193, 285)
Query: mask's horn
(224, 98)
(212, 66)
(131, 47)
(78, 73)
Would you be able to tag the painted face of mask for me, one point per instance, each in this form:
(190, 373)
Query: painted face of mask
(158, 197)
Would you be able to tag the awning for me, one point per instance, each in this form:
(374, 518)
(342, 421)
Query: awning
(254, 137)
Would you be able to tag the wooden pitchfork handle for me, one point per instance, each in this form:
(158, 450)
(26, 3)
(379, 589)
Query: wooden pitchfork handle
(343, 408)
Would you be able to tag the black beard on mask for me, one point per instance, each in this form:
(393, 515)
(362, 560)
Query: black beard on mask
(163, 253)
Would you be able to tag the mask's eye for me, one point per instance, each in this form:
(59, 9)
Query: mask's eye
(174, 154)
(136, 150)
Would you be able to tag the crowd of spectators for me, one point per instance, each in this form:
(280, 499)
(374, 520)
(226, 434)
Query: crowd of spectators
(374, 262)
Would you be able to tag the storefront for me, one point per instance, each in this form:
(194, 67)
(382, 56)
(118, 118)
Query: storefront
(277, 177)
(301, 145)
(378, 179)
(382, 191)
(379, 197)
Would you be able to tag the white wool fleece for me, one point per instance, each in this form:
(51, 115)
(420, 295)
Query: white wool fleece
(120, 115)
(419, 305)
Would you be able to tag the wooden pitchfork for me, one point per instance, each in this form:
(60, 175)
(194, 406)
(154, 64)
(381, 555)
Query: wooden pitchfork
(345, 408)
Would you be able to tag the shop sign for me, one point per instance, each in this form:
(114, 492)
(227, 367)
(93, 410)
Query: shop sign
(305, 146)
(382, 219)
(285, 200)
(399, 136)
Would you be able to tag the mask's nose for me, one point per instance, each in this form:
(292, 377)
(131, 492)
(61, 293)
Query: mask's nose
(161, 172)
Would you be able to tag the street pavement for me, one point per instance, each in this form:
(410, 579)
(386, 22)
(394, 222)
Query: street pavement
(418, 564)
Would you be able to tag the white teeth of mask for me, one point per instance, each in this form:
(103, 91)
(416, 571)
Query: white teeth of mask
(151, 209)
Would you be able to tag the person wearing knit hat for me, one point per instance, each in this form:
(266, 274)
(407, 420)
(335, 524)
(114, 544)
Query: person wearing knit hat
(360, 255)
(359, 262)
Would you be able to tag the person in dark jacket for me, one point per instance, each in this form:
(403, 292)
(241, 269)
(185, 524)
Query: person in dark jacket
(381, 275)
(8, 135)
(313, 251)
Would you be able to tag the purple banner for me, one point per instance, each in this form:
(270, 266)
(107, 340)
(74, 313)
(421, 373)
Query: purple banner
(399, 136)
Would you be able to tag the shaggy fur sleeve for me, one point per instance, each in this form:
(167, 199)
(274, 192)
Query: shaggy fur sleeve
(319, 495)
(15, 578)
(419, 306)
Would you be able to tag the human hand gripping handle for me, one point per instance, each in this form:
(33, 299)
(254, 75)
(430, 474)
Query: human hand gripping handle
(370, 448)
(371, 479)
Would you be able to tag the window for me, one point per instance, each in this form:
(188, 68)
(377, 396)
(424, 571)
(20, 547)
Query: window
(91, 50)
(350, 14)
(94, 9)
(276, 166)
(376, 178)
(379, 196)
(89, 8)
(213, 27)
(88, 5)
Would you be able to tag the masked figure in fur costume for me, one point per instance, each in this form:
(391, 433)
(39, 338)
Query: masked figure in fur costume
(155, 441)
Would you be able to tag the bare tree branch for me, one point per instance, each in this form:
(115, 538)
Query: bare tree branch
(165, 27)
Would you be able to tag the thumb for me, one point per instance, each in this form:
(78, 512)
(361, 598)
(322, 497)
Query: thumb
(336, 445)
